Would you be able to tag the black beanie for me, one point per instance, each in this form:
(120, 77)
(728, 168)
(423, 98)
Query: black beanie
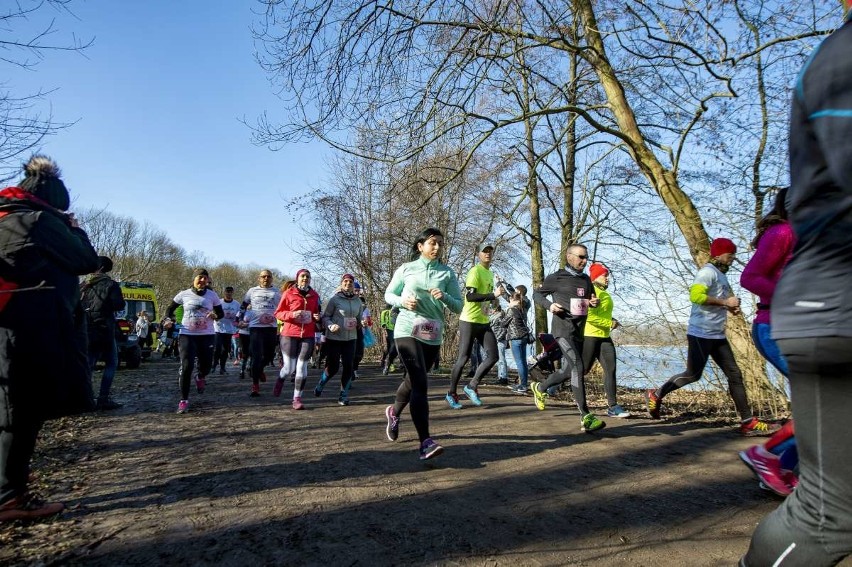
(41, 178)
(106, 264)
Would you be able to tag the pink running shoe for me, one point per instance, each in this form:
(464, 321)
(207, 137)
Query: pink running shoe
(200, 384)
(767, 468)
(297, 404)
(276, 389)
(183, 406)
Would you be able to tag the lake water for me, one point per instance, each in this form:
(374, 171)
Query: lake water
(642, 366)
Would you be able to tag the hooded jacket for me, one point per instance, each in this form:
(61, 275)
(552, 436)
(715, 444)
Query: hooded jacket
(42, 331)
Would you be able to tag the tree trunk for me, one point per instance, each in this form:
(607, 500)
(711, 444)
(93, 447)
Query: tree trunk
(665, 183)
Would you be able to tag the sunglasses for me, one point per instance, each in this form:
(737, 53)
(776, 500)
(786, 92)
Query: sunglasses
(580, 256)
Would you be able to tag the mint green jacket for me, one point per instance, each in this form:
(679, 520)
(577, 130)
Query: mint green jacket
(416, 279)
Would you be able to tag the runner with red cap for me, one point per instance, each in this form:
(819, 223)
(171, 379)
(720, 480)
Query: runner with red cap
(712, 299)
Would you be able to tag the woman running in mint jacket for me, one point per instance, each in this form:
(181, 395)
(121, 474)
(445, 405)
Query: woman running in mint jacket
(421, 289)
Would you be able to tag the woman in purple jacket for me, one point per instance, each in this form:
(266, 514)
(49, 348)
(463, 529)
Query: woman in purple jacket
(773, 463)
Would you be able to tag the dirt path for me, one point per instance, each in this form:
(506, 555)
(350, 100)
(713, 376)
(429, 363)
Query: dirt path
(248, 481)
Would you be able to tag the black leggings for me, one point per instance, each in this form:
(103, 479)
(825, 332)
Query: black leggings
(262, 343)
(221, 350)
(812, 526)
(245, 350)
(467, 333)
(359, 348)
(340, 353)
(698, 351)
(417, 357)
(192, 346)
(572, 366)
(603, 350)
(390, 353)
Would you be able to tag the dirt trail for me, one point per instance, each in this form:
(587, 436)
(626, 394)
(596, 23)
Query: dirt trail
(248, 481)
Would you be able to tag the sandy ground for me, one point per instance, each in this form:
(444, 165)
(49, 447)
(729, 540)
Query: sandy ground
(249, 481)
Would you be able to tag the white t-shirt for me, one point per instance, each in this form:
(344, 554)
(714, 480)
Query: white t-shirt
(264, 302)
(195, 309)
(226, 324)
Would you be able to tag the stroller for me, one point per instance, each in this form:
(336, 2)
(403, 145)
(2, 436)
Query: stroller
(545, 361)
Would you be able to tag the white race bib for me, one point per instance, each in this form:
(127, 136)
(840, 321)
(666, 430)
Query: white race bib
(266, 319)
(303, 317)
(349, 323)
(579, 306)
(426, 329)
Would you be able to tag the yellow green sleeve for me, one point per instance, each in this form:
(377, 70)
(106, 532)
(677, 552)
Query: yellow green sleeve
(698, 294)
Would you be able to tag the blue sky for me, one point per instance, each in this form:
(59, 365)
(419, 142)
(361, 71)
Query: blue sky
(158, 98)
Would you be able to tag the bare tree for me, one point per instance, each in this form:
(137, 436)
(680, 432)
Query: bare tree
(27, 35)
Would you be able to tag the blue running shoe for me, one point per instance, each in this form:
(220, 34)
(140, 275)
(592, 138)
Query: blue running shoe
(617, 411)
(473, 395)
(453, 400)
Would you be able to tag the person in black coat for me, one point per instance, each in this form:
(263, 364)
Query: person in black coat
(44, 372)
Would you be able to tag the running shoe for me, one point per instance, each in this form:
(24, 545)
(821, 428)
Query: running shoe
(343, 399)
(255, 391)
(183, 406)
(755, 427)
(276, 389)
(297, 403)
(617, 411)
(242, 374)
(473, 395)
(200, 384)
(263, 376)
(654, 404)
(538, 396)
(385, 370)
(392, 368)
(26, 507)
(502, 382)
(453, 400)
(591, 422)
(767, 468)
(519, 389)
(392, 430)
(429, 449)
(236, 362)
(321, 384)
(222, 371)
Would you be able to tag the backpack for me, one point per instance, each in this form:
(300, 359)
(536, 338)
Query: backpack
(95, 302)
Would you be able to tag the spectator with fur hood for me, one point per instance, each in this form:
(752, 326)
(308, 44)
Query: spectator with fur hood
(44, 372)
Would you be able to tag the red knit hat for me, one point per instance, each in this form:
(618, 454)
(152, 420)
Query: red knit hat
(597, 270)
(722, 246)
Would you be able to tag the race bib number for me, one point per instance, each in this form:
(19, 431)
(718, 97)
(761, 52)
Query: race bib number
(349, 323)
(303, 317)
(579, 306)
(426, 329)
(266, 319)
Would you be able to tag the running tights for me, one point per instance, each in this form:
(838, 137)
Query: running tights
(296, 357)
(467, 333)
(699, 350)
(417, 357)
(192, 346)
(572, 366)
(813, 526)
